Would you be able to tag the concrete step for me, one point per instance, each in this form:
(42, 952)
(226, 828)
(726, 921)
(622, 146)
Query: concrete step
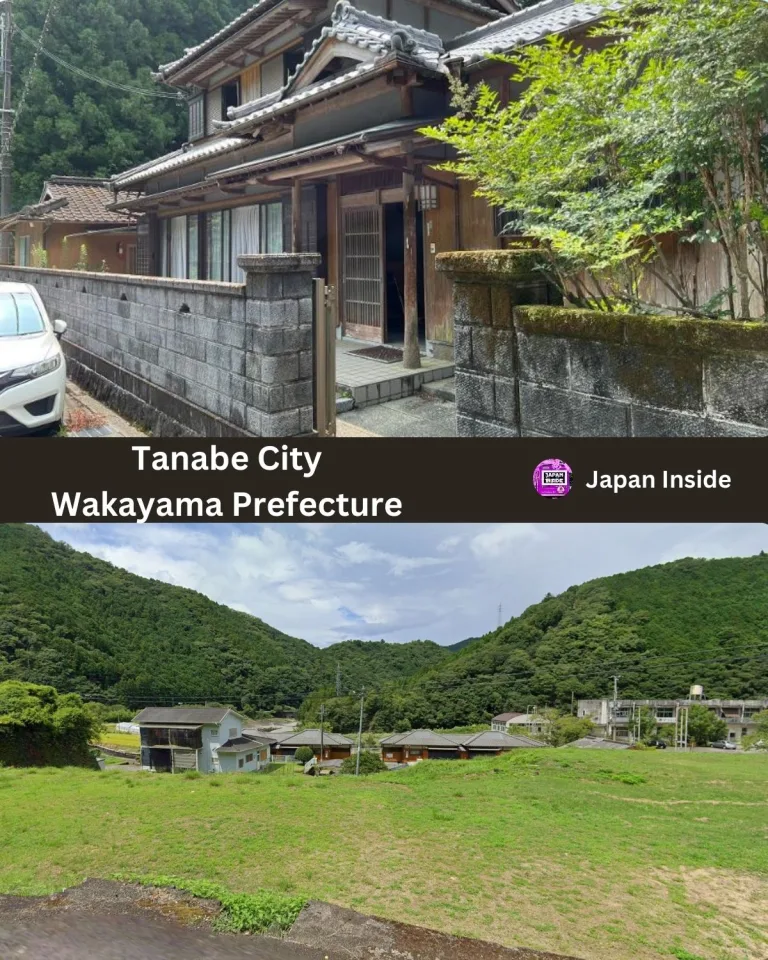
(441, 389)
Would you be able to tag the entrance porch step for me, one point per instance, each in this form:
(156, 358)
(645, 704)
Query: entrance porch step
(441, 389)
(383, 384)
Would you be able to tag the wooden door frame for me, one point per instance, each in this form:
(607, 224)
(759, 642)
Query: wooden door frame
(361, 331)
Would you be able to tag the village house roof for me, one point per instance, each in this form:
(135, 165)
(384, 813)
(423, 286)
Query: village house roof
(522, 27)
(81, 200)
(257, 19)
(242, 744)
(175, 159)
(504, 717)
(421, 738)
(494, 740)
(389, 42)
(598, 743)
(198, 715)
(311, 738)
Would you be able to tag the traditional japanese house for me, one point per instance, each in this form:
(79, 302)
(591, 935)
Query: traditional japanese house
(326, 746)
(418, 745)
(71, 225)
(304, 125)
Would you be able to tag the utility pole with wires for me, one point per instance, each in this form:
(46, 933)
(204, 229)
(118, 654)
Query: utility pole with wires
(338, 679)
(322, 731)
(360, 734)
(614, 703)
(500, 617)
(6, 126)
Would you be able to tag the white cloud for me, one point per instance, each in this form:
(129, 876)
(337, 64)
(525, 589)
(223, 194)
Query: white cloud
(398, 582)
(496, 541)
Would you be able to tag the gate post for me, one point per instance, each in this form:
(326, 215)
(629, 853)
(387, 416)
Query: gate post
(279, 343)
(325, 361)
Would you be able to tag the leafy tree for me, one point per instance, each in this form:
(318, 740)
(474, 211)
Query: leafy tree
(644, 724)
(704, 726)
(759, 739)
(40, 727)
(73, 125)
(604, 152)
(304, 754)
(565, 728)
(370, 762)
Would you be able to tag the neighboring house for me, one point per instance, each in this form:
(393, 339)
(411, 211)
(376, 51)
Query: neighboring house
(208, 739)
(617, 717)
(418, 745)
(303, 136)
(334, 745)
(531, 723)
(72, 213)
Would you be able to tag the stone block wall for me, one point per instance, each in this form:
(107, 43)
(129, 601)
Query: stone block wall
(534, 369)
(192, 358)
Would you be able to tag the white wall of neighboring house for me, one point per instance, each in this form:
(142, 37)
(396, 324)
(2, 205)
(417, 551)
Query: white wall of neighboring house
(230, 762)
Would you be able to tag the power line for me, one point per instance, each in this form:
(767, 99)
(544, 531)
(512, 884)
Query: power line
(84, 74)
(38, 44)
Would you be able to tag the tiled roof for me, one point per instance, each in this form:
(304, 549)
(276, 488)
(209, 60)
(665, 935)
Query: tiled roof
(200, 715)
(597, 743)
(166, 70)
(385, 39)
(242, 744)
(311, 738)
(176, 160)
(232, 27)
(77, 200)
(421, 738)
(492, 740)
(503, 717)
(521, 28)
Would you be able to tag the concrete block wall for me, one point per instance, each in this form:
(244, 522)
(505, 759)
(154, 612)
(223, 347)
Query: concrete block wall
(544, 370)
(192, 358)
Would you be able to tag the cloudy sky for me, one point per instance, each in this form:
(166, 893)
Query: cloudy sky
(442, 582)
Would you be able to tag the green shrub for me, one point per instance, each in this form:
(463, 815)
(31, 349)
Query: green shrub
(240, 912)
(369, 763)
(304, 754)
(192, 775)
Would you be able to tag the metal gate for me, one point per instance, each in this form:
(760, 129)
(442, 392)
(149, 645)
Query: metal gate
(363, 273)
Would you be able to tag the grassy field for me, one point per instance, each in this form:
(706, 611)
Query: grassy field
(605, 856)
(120, 741)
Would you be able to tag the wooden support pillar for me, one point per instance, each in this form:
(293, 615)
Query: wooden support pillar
(411, 356)
(296, 217)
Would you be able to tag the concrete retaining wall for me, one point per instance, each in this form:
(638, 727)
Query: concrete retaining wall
(192, 358)
(541, 370)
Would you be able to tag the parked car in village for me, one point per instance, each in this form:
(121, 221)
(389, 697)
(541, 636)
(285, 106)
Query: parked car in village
(659, 744)
(723, 745)
(32, 366)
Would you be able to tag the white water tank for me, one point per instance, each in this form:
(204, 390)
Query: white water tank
(697, 691)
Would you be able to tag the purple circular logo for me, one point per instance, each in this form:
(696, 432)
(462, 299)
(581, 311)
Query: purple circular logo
(552, 478)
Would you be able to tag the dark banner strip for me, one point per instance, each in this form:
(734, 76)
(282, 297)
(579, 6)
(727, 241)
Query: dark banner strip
(383, 480)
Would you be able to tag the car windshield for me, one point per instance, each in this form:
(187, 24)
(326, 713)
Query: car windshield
(19, 315)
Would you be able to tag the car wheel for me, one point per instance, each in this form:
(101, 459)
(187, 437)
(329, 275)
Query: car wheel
(50, 430)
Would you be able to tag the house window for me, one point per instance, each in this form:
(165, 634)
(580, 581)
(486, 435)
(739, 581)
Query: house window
(230, 96)
(193, 248)
(240, 763)
(196, 118)
(249, 758)
(218, 257)
(665, 713)
(23, 251)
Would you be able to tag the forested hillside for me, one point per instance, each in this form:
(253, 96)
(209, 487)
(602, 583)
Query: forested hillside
(85, 626)
(69, 124)
(659, 629)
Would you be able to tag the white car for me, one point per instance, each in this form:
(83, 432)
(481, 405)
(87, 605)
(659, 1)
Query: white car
(33, 372)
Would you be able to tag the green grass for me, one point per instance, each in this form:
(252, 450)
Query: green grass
(606, 856)
(120, 741)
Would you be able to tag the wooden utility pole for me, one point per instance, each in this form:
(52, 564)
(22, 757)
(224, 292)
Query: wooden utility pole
(322, 730)
(6, 126)
(411, 356)
(296, 217)
(360, 735)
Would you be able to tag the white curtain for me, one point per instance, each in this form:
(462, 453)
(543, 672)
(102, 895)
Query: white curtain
(245, 237)
(163, 248)
(274, 231)
(179, 247)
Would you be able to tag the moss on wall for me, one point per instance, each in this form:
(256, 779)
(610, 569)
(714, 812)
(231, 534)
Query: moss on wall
(491, 265)
(660, 332)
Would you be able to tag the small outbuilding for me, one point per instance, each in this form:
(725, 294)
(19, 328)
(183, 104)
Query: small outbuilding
(326, 746)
